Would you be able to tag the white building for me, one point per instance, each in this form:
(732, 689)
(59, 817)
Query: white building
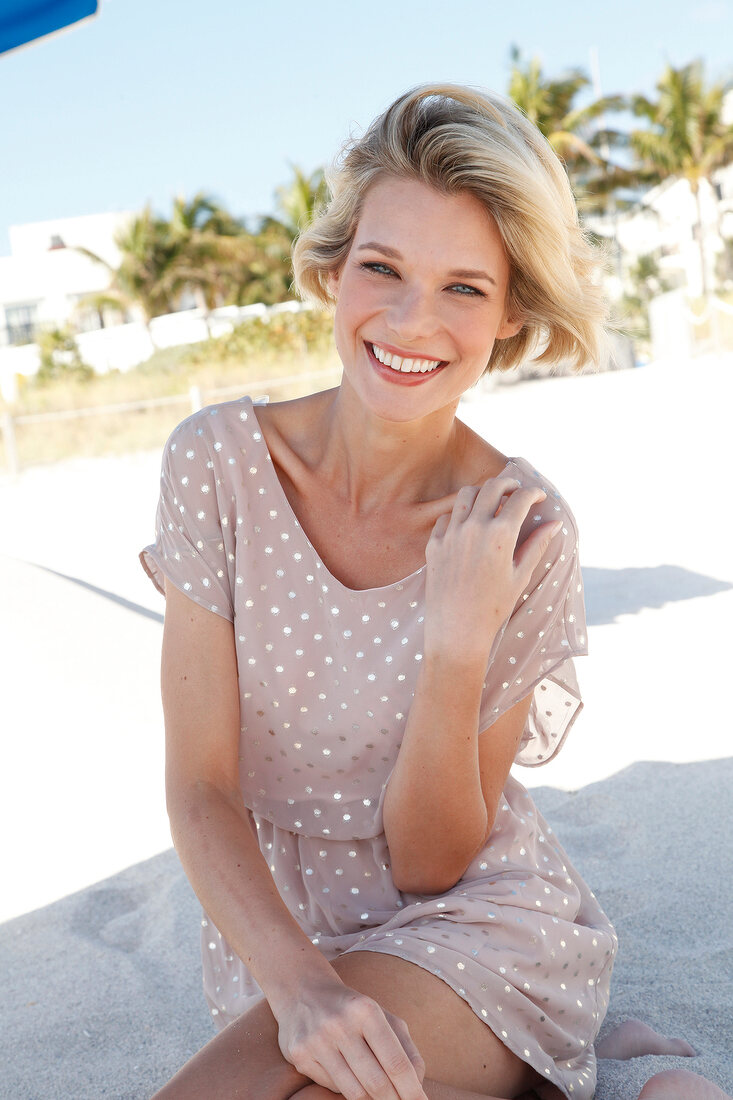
(665, 225)
(44, 278)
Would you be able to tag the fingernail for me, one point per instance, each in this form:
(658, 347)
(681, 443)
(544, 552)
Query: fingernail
(556, 528)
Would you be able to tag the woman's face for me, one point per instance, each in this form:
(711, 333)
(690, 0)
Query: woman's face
(420, 298)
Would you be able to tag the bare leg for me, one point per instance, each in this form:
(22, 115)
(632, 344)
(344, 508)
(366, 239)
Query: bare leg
(244, 1060)
(434, 1090)
(459, 1050)
(680, 1084)
(670, 1085)
(633, 1039)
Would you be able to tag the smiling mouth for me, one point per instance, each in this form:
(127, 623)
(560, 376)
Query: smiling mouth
(403, 365)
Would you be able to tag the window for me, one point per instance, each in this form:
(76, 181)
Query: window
(21, 322)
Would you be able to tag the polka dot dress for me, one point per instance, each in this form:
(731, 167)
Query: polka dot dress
(327, 674)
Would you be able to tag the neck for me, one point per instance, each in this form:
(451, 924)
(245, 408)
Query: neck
(372, 463)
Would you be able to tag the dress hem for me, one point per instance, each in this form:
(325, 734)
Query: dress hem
(554, 1078)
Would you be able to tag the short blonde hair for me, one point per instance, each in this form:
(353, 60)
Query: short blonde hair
(459, 139)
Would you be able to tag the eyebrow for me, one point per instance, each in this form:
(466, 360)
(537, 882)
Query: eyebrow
(457, 273)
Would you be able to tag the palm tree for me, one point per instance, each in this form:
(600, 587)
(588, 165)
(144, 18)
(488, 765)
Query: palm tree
(147, 253)
(297, 203)
(221, 262)
(206, 250)
(300, 200)
(583, 147)
(687, 137)
(202, 249)
(213, 253)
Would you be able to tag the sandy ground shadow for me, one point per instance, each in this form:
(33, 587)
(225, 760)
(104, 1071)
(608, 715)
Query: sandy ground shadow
(101, 993)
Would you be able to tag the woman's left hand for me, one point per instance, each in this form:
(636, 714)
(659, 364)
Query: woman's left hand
(475, 573)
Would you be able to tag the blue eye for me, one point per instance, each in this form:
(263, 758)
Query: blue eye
(377, 268)
(467, 291)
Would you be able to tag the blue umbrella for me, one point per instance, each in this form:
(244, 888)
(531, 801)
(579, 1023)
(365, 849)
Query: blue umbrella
(22, 21)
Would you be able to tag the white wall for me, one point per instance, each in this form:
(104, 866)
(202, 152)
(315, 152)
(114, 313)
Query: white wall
(121, 347)
(53, 278)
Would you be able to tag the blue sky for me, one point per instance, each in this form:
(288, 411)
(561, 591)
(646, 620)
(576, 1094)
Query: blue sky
(161, 97)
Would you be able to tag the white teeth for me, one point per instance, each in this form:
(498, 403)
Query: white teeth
(405, 366)
(382, 355)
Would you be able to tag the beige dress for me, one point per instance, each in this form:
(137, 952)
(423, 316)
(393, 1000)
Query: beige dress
(326, 676)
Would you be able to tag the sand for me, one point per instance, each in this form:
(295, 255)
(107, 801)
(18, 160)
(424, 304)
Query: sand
(99, 946)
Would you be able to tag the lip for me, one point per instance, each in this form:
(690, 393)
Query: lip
(400, 378)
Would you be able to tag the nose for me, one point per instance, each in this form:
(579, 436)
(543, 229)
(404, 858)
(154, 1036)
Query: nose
(412, 314)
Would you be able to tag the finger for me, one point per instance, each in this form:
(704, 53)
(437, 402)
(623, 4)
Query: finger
(494, 491)
(464, 502)
(533, 549)
(441, 525)
(316, 1072)
(369, 1076)
(354, 1072)
(517, 505)
(402, 1032)
(391, 1055)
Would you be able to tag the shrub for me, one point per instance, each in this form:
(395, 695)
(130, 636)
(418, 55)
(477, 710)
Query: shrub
(60, 357)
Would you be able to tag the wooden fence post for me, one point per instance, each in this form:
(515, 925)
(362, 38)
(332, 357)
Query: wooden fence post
(11, 450)
(195, 398)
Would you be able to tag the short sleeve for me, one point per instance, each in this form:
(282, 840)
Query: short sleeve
(533, 652)
(195, 530)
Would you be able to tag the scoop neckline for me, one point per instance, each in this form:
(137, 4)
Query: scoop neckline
(319, 561)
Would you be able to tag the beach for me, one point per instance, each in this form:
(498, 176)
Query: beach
(99, 941)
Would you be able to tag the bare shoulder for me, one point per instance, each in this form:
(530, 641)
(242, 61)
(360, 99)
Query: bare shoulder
(479, 460)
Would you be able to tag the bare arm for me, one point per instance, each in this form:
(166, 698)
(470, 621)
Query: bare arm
(210, 824)
(443, 793)
(330, 1033)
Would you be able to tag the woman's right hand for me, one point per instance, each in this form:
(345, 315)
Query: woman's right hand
(343, 1040)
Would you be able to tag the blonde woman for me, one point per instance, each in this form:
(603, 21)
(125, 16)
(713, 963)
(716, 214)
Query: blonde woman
(371, 613)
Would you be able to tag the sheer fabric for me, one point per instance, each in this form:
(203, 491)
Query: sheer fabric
(326, 677)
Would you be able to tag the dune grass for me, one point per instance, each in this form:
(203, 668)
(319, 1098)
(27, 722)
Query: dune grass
(277, 361)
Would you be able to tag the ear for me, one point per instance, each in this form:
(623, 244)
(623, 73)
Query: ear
(508, 328)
